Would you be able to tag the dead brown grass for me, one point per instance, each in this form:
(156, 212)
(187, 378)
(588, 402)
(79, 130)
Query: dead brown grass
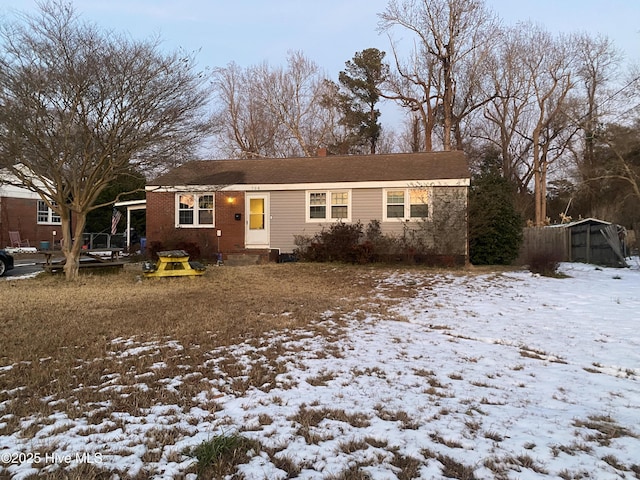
(67, 347)
(604, 429)
(43, 316)
(46, 316)
(71, 342)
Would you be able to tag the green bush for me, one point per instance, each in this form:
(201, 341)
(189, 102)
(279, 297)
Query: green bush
(495, 227)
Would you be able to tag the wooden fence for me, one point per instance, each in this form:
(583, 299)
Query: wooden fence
(553, 242)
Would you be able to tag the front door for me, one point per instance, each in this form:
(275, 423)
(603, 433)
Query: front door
(257, 220)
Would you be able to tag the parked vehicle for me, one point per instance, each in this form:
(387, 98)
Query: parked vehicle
(6, 262)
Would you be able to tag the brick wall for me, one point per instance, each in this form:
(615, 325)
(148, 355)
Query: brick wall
(20, 214)
(161, 217)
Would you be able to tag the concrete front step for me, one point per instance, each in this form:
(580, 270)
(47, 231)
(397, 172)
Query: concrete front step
(242, 259)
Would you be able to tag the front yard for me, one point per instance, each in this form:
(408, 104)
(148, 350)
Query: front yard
(322, 371)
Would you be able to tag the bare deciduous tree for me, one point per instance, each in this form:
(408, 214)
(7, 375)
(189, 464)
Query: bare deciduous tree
(598, 61)
(618, 149)
(244, 124)
(550, 65)
(506, 115)
(416, 86)
(449, 31)
(597, 67)
(533, 76)
(274, 111)
(79, 106)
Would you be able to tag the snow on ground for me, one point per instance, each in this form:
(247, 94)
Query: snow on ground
(509, 375)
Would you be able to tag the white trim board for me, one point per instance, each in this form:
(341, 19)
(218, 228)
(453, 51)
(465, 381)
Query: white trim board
(459, 182)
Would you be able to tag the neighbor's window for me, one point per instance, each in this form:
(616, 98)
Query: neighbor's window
(195, 210)
(406, 204)
(329, 206)
(46, 215)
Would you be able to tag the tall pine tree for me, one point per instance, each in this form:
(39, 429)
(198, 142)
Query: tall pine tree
(359, 94)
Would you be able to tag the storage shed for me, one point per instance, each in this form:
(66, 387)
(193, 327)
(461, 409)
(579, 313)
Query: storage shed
(597, 242)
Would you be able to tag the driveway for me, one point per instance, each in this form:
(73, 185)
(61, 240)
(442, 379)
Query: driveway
(23, 268)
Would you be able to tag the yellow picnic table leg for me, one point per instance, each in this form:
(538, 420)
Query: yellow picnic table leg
(173, 263)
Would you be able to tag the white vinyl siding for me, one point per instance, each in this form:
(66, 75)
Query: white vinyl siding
(289, 219)
(289, 209)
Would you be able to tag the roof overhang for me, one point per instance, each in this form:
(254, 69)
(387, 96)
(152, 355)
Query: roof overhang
(132, 204)
(459, 182)
(580, 222)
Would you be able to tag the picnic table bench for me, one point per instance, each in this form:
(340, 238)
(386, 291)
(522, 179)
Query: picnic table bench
(173, 263)
(102, 258)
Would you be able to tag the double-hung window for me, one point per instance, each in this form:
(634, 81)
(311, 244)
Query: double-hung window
(317, 205)
(406, 204)
(46, 215)
(328, 206)
(395, 203)
(195, 210)
(339, 205)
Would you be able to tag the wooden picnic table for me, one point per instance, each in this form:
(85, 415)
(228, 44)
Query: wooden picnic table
(173, 263)
(96, 258)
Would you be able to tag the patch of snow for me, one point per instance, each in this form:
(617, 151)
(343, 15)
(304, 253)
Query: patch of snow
(488, 370)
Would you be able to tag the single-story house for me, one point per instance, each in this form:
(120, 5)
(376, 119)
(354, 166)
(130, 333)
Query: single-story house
(23, 211)
(258, 206)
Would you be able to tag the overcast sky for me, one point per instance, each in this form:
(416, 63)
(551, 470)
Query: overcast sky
(329, 32)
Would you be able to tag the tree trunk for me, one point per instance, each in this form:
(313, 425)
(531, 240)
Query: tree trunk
(543, 190)
(415, 135)
(537, 179)
(447, 106)
(429, 125)
(72, 244)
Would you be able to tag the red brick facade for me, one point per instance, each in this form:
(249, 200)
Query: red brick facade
(161, 224)
(21, 215)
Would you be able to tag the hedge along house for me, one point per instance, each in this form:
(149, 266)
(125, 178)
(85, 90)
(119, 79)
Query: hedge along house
(257, 207)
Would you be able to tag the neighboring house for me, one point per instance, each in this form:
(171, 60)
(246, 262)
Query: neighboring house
(258, 206)
(23, 211)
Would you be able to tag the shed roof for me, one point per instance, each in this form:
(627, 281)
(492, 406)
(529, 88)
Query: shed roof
(580, 222)
(330, 169)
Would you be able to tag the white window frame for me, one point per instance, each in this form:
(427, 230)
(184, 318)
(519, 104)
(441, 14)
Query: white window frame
(52, 217)
(196, 210)
(407, 204)
(328, 206)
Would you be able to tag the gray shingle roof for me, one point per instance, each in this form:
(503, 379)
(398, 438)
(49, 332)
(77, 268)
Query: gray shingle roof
(329, 169)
